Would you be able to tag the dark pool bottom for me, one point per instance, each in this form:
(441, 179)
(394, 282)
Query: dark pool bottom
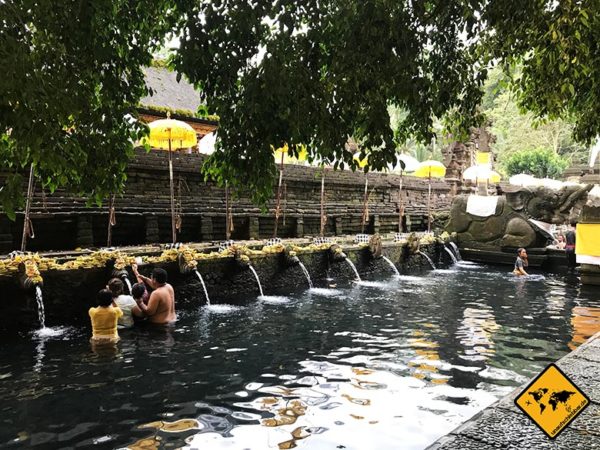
(390, 364)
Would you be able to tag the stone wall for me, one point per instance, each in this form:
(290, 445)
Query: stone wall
(63, 222)
(69, 294)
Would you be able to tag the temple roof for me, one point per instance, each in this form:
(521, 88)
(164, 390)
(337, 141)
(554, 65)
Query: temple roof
(169, 93)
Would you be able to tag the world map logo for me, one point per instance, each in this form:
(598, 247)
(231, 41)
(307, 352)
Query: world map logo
(552, 401)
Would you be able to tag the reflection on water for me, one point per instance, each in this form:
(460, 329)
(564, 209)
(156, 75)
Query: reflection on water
(585, 324)
(383, 364)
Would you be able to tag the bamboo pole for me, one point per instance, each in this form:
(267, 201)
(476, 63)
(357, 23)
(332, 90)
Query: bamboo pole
(323, 218)
(111, 219)
(172, 192)
(400, 202)
(365, 205)
(278, 201)
(27, 228)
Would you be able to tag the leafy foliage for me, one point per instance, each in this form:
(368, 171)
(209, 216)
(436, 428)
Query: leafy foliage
(517, 130)
(320, 72)
(313, 72)
(556, 45)
(538, 162)
(71, 79)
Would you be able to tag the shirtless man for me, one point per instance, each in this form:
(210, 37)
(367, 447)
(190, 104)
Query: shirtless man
(161, 305)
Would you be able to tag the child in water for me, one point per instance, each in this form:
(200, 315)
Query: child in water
(104, 319)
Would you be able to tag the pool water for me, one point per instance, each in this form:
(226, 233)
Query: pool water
(384, 364)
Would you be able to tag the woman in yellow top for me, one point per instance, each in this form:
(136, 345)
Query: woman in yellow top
(104, 319)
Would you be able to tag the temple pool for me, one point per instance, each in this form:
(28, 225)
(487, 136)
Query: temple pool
(386, 364)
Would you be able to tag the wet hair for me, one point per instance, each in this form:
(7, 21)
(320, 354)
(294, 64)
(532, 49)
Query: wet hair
(104, 297)
(519, 250)
(116, 287)
(138, 290)
(159, 275)
(573, 223)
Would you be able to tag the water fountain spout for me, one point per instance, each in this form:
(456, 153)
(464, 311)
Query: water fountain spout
(310, 285)
(260, 289)
(427, 258)
(203, 287)
(353, 268)
(456, 251)
(392, 265)
(40, 306)
(336, 253)
(452, 257)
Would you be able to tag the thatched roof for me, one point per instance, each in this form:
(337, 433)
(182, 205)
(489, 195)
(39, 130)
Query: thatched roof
(168, 93)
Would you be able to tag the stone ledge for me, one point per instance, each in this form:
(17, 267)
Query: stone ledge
(503, 426)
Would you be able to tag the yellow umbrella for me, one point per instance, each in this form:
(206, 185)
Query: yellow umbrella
(169, 134)
(428, 169)
(361, 163)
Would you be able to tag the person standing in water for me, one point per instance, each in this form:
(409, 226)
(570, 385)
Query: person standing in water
(521, 262)
(104, 319)
(161, 305)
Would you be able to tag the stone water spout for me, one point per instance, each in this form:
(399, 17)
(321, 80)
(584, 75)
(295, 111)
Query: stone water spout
(120, 270)
(336, 254)
(375, 246)
(31, 279)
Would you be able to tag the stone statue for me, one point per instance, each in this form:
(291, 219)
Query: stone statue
(510, 225)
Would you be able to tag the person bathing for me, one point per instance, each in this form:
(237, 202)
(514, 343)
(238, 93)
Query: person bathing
(161, 304)
(104, 319)
(521, 262)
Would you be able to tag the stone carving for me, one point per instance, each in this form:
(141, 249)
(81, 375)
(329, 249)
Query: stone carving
(510, 225)
(375, 246)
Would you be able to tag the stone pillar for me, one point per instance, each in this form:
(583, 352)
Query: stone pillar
(376, 224)
(339, 231)
(206, 228)
(253, 227)
(299, 226)
(408, 223)
(85, 232)
(152, 235)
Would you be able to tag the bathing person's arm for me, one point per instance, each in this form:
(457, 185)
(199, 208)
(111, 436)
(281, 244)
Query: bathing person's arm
(141, 278)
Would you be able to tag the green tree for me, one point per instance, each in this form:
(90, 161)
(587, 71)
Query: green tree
(317, 73)
(71, 78)
(517, 130)
(313, 72)
(555, 45)
(539, 162)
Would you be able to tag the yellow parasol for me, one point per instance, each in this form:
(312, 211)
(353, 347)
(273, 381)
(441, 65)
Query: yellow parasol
(169, 134)
(428, 169)
(361, 162)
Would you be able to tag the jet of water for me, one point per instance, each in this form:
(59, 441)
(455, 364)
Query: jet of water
(354, 269)
(257, 280)
(454, 261)
(310, 285)
(456, 251)
(203, 287)
(428, 259)
(392, 265)
(128, 283)
(40, 306)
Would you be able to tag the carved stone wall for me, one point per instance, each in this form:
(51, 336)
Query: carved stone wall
(62, 221)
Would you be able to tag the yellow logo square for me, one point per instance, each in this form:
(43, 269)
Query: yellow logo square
(552, 401)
